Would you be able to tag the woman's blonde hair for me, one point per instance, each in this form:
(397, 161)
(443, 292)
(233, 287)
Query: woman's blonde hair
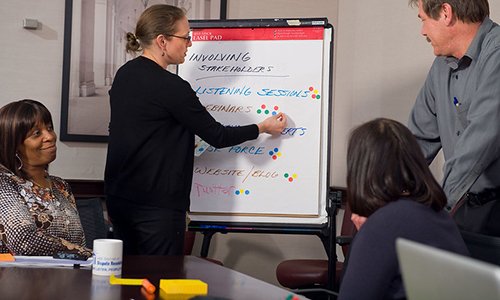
(155, 20)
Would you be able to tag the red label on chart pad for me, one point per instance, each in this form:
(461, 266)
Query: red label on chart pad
(255, 34)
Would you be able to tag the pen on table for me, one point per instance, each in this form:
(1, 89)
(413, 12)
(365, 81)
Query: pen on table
(147, 295)
(7, 257)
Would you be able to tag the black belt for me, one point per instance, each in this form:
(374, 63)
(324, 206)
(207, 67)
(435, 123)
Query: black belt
(483, 197)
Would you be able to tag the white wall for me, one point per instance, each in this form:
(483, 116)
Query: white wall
(381, 62)
(31, 67)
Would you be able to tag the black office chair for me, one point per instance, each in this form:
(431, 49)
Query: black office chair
(92, 219)
(483, 247)
(304, 274)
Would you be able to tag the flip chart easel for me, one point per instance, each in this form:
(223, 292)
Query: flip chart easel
(244, 71)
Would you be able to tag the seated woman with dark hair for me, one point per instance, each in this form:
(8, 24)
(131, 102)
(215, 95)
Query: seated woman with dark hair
(38, 214)
(391, 193)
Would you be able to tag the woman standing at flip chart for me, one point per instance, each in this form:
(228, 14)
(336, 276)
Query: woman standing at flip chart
(154, 117)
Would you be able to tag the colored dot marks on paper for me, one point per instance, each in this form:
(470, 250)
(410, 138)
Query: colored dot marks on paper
(242, 192)
(275, 153)
(201, 149)
(263, 109)
(315, 93)
(290, 177)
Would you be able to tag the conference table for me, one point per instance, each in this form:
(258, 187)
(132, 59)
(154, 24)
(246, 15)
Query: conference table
(42, 283)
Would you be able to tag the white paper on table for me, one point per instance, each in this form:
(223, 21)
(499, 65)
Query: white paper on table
(46, 261)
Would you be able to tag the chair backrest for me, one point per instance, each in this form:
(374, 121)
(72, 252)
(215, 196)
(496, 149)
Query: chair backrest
(483, 247)
(189, 237)
(92, 219)
(347, 230)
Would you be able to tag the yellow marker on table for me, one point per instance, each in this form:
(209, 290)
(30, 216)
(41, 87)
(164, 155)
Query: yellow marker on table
(148, 286)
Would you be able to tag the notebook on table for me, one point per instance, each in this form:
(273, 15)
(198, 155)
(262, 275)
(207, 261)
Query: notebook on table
(434, 274)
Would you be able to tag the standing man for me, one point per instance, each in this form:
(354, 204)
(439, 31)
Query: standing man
(458, 108)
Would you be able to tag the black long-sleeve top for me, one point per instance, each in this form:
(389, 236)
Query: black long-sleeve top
(154, 117)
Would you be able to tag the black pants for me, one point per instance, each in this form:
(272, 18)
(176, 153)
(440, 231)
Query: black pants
(147, 230)
(479, 213)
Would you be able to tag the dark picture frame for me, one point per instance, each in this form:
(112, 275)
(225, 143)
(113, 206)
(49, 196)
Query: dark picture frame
(91, 57)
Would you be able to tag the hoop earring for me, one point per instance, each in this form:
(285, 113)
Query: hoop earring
(20, 162)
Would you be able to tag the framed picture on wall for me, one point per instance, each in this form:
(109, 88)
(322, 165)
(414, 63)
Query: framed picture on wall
(94, 49)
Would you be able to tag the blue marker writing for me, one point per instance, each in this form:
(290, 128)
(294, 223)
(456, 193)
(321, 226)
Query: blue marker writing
(455, 101)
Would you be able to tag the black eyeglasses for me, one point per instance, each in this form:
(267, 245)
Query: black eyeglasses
(187, 38)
